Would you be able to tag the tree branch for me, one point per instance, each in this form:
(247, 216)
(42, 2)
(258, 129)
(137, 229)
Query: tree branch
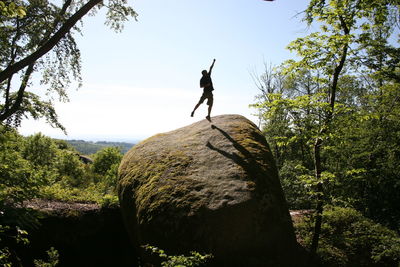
(47, 46)
(338, 69)
(12, 60)
(21, 91)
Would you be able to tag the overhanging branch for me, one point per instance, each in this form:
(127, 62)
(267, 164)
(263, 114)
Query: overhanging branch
(47, 46)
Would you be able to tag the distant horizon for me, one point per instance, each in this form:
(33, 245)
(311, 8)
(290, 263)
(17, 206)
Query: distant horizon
(105, 139)
(93, 138)
(115, 138)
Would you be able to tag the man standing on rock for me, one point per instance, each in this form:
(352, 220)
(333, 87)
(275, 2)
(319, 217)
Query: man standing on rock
(206, 84)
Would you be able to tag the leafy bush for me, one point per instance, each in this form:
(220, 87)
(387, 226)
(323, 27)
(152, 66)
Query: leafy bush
(93, 193)
(19, 180)
(40, 150)
(349, 239)
(294, 184)
(111, 176)
(105, 159)
(69, 168)
(9, 235)
(195, 259)
(52, 261)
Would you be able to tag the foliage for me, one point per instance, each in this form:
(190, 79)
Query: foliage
(39, 150)
(39, 37)
(12, 9)
(350, 239)
(52, 259)
(104, 159)
(94, 193)
(296, 189)
(361, 147)
(338, 106)
(69, 168)
(9, 235)
(20, 181)
(52, 169)
(40, 167)
(195, 259)
(77, 181)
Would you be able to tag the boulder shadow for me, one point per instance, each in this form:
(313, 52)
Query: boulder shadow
(242, 157)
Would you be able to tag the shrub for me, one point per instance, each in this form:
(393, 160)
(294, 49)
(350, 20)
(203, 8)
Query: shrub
(53, 260)
(70, 168)
(349, 239)
(195, 259)
(40, 150)
(105, 159)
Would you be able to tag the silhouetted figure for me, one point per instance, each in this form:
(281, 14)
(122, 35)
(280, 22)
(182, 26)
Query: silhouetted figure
(206, 84)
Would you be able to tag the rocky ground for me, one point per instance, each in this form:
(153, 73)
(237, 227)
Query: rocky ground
(62, 207)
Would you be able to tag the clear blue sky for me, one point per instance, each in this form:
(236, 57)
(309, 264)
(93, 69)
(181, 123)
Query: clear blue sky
(145, 80)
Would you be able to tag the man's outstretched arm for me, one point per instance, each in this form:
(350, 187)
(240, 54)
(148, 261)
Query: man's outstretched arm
(211, 67)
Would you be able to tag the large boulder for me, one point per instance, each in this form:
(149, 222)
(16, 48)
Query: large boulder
(212, 187)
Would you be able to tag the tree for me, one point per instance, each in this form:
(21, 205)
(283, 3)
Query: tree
(70, 168)
(352, 40)
(343, 21)
(105, 159)
(19, 179)
(43, 41)
(40, 150)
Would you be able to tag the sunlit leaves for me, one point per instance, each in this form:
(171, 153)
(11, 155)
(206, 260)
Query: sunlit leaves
(105, 159)
(118, 12)
(318, 51)
(20, 38)
(195, 258)
(19, 180)
(12, 9)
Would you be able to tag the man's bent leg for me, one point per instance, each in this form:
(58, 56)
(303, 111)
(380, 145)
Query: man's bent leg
(197, 105)
(192, 114)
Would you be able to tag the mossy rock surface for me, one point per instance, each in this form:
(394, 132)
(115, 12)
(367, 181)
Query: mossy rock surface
(210, 187)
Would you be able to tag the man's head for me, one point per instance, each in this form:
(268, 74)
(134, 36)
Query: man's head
(204, 72)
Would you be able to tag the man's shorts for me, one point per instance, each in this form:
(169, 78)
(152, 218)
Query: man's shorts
(207, 95)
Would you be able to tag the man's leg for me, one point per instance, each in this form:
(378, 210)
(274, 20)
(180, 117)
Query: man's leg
(202, 98)
(210, 104)
(198, 104)
(209, 110)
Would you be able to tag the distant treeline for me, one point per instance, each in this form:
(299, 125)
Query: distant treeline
(90, 147)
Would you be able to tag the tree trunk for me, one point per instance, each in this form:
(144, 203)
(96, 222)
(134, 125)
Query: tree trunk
(320, 196)
(318, 142)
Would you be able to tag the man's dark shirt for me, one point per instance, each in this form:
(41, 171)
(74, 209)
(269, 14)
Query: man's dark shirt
(204, 81)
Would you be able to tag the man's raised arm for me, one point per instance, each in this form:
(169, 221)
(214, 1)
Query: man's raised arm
(211, 67)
